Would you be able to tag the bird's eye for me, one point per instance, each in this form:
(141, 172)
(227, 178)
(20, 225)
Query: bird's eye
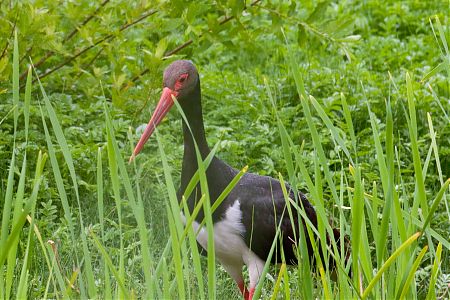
(183, 78)
(180, 81)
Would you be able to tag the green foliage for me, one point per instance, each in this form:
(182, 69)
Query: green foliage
(348, 100)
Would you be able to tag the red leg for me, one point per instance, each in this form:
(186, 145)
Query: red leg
(243, 290)
(250, 293)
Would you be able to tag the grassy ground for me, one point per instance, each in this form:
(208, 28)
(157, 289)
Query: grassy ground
(347, 101)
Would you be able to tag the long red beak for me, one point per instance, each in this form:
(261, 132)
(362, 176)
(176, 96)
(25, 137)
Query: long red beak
(163, 107)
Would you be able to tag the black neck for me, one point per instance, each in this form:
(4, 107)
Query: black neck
(192, 108)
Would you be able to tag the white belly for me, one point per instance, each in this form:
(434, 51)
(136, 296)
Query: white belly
(229, 245)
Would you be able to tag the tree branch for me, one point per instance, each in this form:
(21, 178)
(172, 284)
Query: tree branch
(106, 38)
(10, 36)
(87, 20)
(89, 63)
(179, 48)
(67, 38)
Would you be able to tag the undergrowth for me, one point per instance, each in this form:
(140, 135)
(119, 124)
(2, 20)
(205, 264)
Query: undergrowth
(349, 103)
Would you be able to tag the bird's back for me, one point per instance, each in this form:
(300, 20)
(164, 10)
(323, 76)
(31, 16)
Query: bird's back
(263, 206)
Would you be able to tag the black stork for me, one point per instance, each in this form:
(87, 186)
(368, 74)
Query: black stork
(245, 222)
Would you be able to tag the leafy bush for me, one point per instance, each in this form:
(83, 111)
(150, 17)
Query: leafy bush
(100, 64)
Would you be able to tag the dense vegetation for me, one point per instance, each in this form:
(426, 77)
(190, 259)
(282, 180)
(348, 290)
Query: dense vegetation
(371, 145)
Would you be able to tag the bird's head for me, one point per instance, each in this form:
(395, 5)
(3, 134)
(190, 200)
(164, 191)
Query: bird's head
(180, 80)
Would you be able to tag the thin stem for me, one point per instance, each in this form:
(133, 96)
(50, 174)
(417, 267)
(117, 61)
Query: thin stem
(67, 38)
(106, 38)
(181, 47)
(10, 36)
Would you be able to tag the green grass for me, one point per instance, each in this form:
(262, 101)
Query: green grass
(362, 127)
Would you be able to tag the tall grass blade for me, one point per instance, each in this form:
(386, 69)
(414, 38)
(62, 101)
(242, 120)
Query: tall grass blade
(444, 241)
(412, 273)
(23, 281)
(17, 227)
(436, 99)
(59, 276)
(207, 211)
(398, 225)
(357, 223)
(434, 71)
(388, 263)
(7, 114)
(225, 192)
(137, 206)
(175, 227)
(5, 283)
(322, 159)
(434, 273)
(437, 159)
(22, 287)
(263, 274)
(435, 204)
(177, 260)
(115, 183)
(166, 284)
(420, 195)
(278, 282)
(189, 230)
(27, 101)
(228, 188)
(15, 83)
(441, 34)
(57, 129)
(100, 206)
(18, 203)
(44, 246)
(6, 217)
(58, 178)
(384, 175)
(334, 133)
(111, 266)
(318, 146)
(348, 120)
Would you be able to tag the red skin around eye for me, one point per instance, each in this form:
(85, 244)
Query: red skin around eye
(180, 81)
